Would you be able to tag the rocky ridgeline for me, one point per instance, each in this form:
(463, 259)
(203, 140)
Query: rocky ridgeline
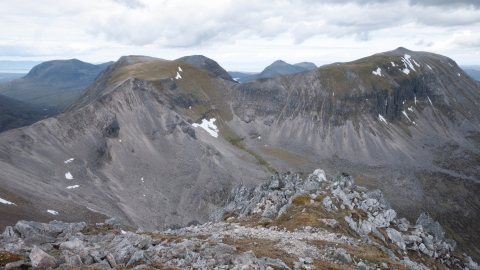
(252, 230)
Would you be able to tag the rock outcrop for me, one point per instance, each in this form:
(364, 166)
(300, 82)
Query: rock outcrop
(252, 230)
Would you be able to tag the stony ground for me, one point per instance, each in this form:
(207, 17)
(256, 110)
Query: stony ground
(320, 222)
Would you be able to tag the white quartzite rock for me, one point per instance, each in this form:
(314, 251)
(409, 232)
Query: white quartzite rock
(40, 259)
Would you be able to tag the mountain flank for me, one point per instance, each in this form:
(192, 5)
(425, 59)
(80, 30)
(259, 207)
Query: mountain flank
(53, 84)
(15, 113)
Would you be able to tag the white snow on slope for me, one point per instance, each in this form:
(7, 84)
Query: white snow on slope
(209, 126)
(458, 74)
(180, 69)
(415, 99)
(429, 67)
(393, 64)
(178, 76)
(52, 212)
(75, 186)
(450, 64)
(378, 72)
(404, 113)
(430, 101)
(415, 63)
(406, 61)
(69, 176)
(68, 160)
(410, 109)
(382, 119)
(5, 201)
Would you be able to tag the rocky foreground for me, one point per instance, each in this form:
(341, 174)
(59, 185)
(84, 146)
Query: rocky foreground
(320, 222)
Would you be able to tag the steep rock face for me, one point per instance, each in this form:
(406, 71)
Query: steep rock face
(53, 84)
(213, 69)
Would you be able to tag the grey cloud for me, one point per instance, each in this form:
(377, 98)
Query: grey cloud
(446, 3)
(179, 24)
(362, 36)
(133, 4)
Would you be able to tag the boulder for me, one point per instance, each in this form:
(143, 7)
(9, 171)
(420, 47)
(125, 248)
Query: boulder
(15, 265)
(383, 219)
(342, 256)
(430, 226)
(396, 238)
(40, 259)
(320, 174)
(328, 204)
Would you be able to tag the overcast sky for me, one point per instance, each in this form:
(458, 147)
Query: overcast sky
(240, 35)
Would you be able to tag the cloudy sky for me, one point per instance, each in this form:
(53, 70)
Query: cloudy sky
(240, 35)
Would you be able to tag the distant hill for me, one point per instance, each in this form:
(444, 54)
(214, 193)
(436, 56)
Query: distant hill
(213, 69)
(238, 75)
(15, 113)
(472, 70)
(53, 84)
(278, 68)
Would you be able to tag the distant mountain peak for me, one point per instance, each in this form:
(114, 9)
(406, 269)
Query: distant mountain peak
(213, 69)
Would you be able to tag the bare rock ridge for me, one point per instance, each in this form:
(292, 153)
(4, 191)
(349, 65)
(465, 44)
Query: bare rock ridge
(320, 222)
(157, 143)
(53, 84)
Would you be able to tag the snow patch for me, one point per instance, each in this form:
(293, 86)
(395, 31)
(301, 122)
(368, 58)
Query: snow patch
(393, 64)
(333, 94)
(458, 74)
(382, 119)
(68, 160)
(259, 137)
(69, 176)
(415, 63)
(120, 140)
(429, 67)
(410, 109)
(406, 61)
(404, 113)
(180, 69)
(178, 76)
(52, 212)
(75, 186)
(5, 201)
(415, 99)
(430, 101)
(378, 72)
(450, 64)
(209, 126)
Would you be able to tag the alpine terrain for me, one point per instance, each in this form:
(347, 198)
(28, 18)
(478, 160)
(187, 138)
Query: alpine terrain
(160, 144)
